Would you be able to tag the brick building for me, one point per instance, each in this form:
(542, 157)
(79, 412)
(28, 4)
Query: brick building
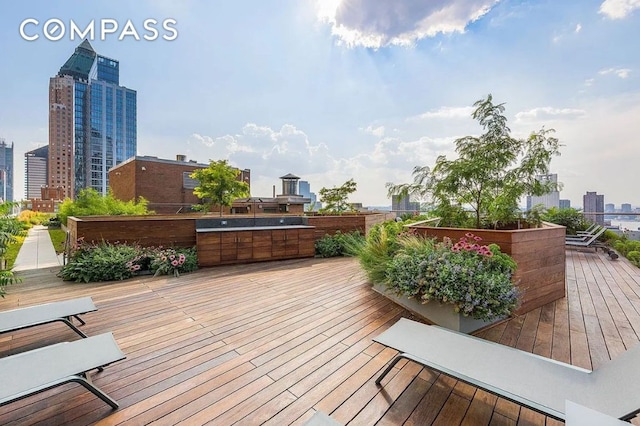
(164, 183)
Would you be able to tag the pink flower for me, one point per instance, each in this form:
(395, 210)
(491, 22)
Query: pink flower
(477, 238)
(469, 235)
(174, 262)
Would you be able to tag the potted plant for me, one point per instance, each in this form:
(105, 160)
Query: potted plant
(480, 190)
(463, 285)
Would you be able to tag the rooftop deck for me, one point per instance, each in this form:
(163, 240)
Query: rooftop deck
(271, 343)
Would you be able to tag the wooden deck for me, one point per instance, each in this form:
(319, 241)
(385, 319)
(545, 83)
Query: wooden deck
(271, 343)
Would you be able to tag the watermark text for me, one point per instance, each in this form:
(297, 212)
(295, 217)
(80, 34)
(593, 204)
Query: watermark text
(55, 29)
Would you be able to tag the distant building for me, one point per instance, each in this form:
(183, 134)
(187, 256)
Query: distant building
(593, 203)
(564, 204)
(609, 208)
(305, 191)
(92, 122)
(6, 171)
(35, 172)
(402, 205)
(165, 184)
(548, 200)
(626, 208)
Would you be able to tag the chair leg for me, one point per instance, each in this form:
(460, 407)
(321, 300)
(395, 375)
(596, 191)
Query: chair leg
(390, 366)
(85, 380)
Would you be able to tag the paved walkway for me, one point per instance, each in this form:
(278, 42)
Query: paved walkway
(37, 251)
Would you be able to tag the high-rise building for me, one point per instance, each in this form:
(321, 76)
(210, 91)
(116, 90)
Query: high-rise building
(35, 171)
(92, 122)
(548, 200)
(564, 204)
(626, 208)
(404, 204)
(305, 191)
(593, 203)
(6, 171)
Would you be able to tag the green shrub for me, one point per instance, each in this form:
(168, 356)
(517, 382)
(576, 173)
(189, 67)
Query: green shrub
(377, 250)
(90, 203)
(634, 257)
(571, 218)
(474, 278)
(338, 244)
(173, 261)
(111, 262)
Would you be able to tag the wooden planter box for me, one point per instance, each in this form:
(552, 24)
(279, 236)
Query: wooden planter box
(539, 253)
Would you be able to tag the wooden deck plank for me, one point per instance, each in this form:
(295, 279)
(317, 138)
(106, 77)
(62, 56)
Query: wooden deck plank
(272, 343)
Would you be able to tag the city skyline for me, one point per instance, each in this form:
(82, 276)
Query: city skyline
(336, 90)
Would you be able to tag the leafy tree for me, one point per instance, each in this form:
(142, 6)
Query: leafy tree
(10, 227)
(492, 171)
(90, 202)
(218, 185)
(335, 199)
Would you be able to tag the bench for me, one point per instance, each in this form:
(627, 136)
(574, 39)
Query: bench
(32, 316)
(29, 373)
(533, 381)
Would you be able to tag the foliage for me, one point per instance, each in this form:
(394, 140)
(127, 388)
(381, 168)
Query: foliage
(218, 185)
(492, 171)
(34, 218)
(173, 261)
(570, 218)
(377, 250)
(105, 261)
(58, 238)
(474, 278)
(54, 222)
(335, 199)
(11, 253)
(338, 244)
(629, 249)
(90, 202)
(10, 229)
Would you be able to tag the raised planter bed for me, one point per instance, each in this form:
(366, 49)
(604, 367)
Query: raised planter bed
(539, 253)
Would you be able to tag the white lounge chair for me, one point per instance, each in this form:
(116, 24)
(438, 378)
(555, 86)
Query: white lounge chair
(539, 383)
(29, 373)
(31, 316)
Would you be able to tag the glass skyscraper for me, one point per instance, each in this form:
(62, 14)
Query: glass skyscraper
(6, 171)
(92, 122)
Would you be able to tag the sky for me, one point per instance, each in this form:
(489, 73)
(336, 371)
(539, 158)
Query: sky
(332, 90)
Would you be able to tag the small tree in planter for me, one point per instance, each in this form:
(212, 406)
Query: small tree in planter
(218, 184)
(492, 171)
(335, 199)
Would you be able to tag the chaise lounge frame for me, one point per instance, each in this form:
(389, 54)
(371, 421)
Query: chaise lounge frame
(530, 380)
(32, 316)
(38, 370)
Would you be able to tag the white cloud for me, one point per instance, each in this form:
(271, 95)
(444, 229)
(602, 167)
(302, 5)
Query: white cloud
(589, 82)
(400, 22)
(578, 28)
(549, 113)
(618, 72)
(375, 131)
(444, 113)
(618, 9)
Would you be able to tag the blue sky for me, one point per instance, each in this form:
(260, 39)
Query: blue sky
(363, 89)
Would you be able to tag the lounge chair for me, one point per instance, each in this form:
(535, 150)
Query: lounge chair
(533, 381)
(592, 242)
(31, 316)
(29, 373)
(586, 237)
